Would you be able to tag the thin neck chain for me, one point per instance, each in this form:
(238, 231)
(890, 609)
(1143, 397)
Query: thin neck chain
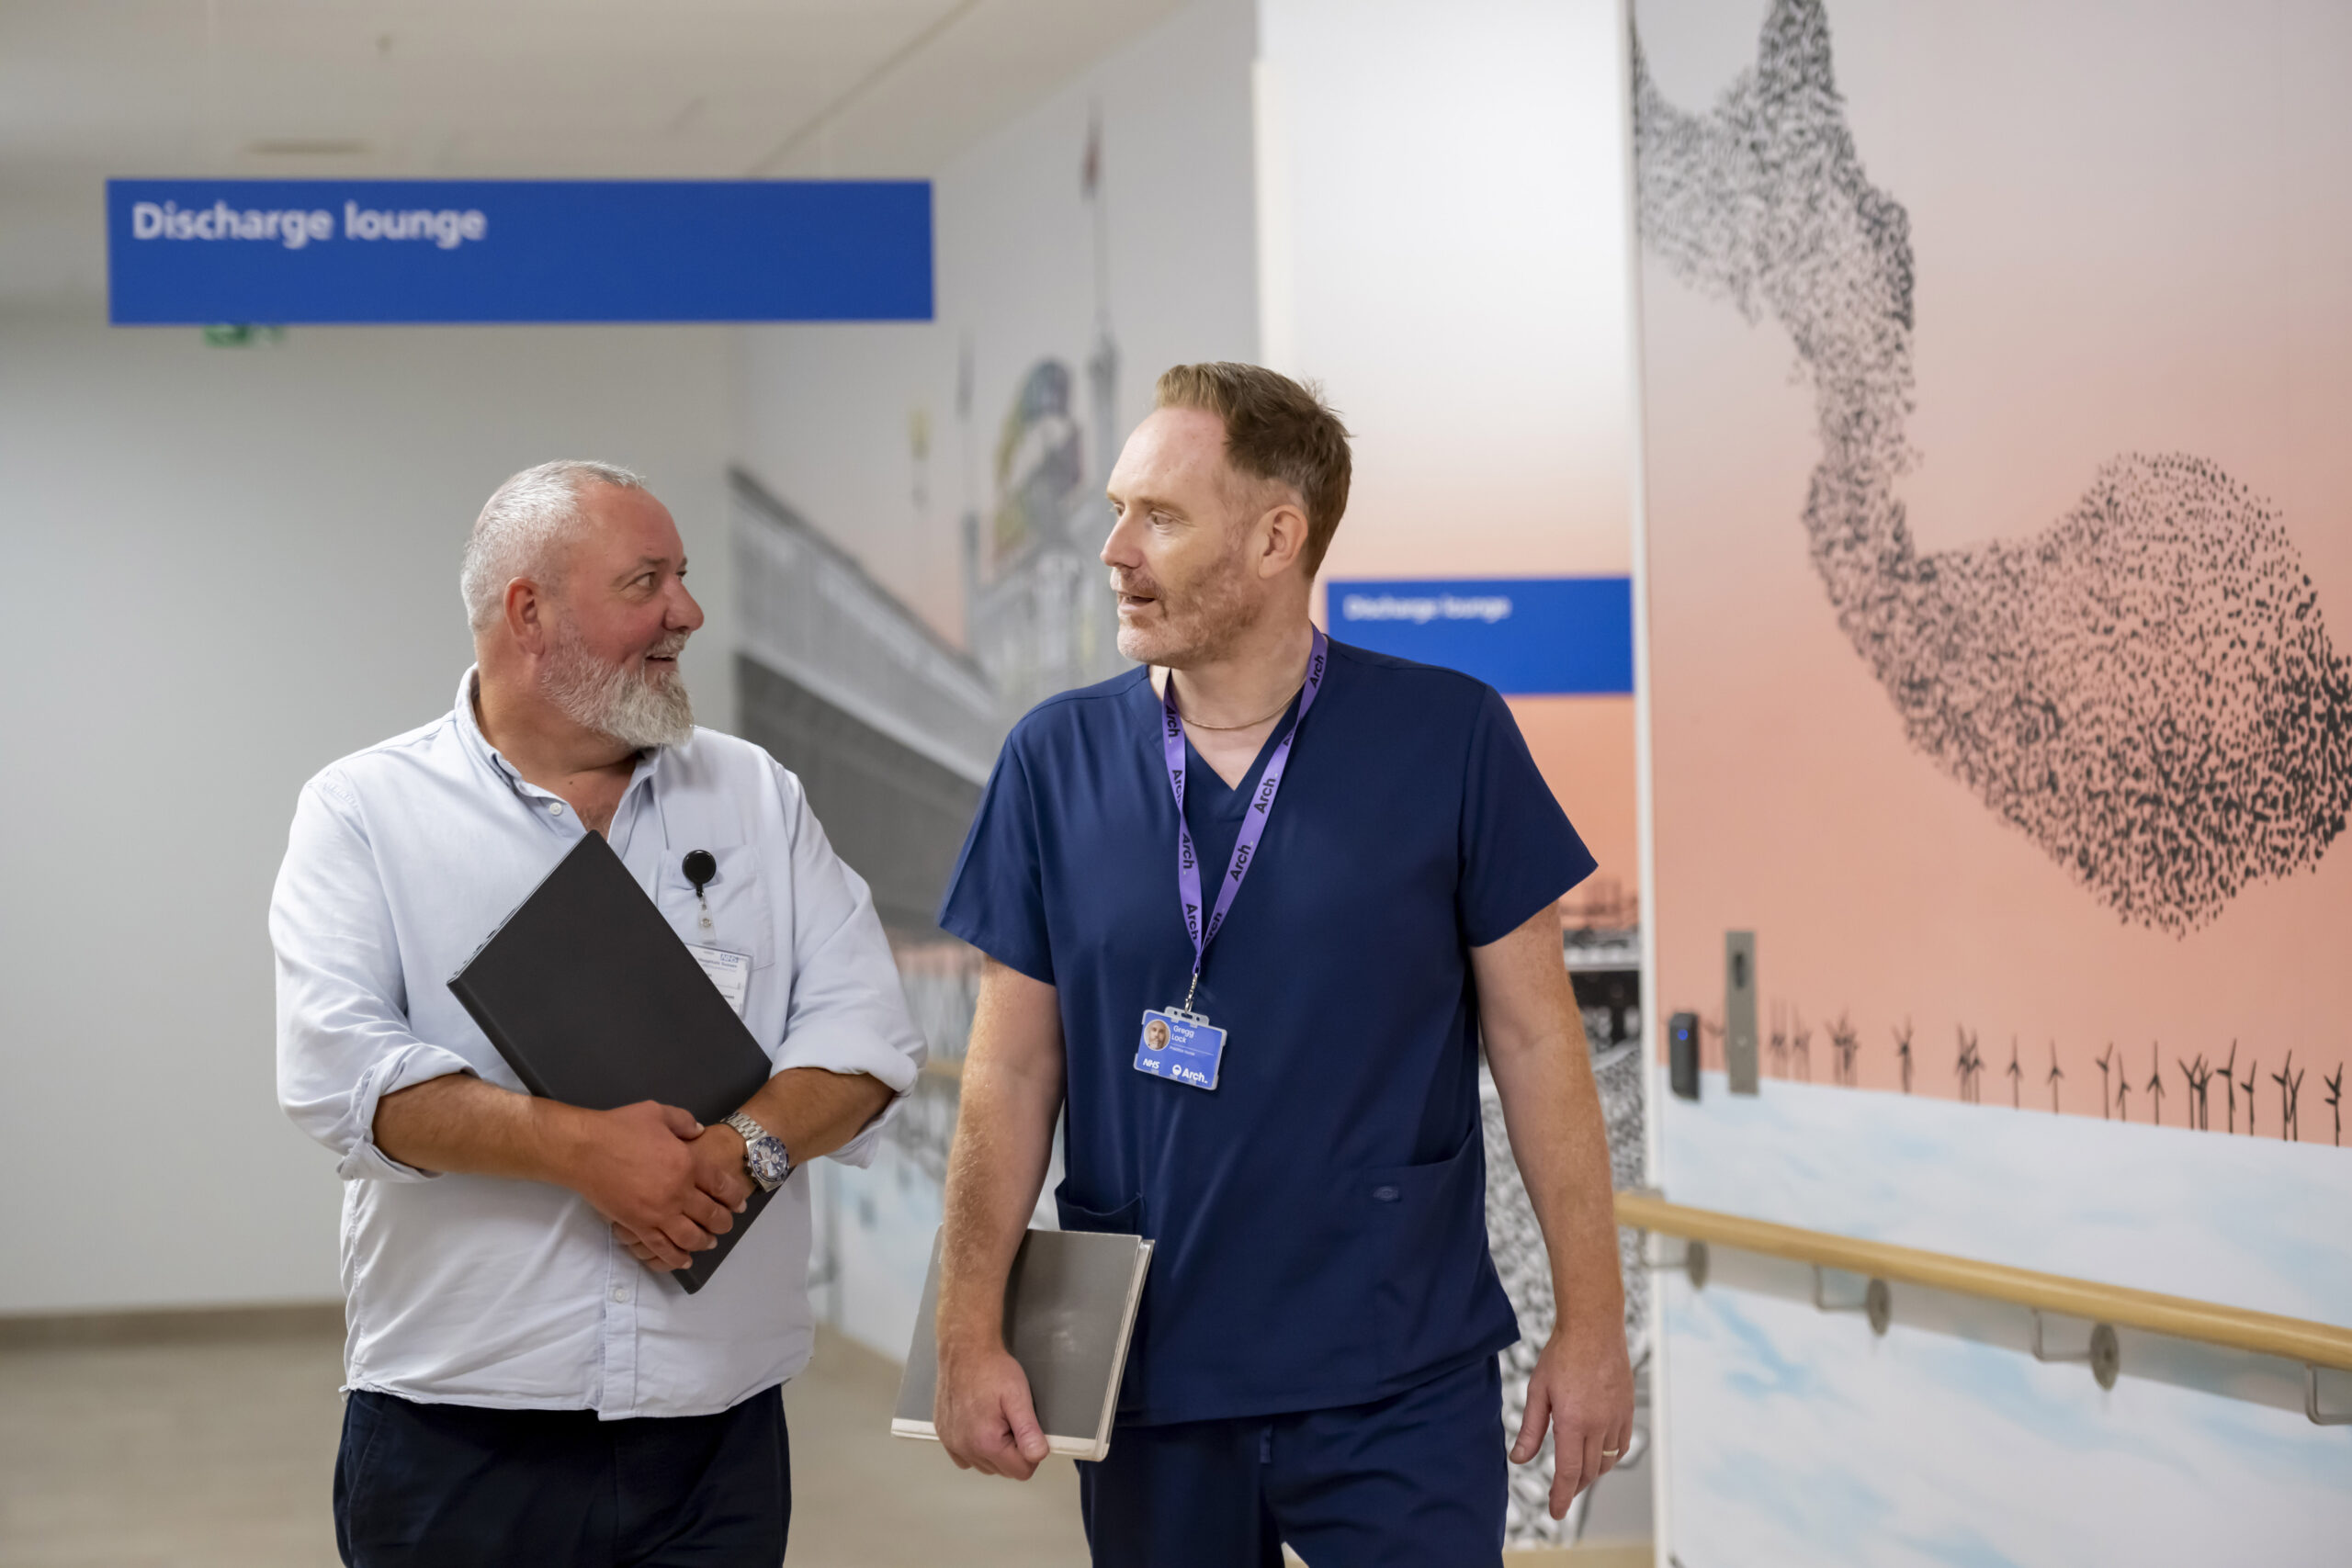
(1196, 724)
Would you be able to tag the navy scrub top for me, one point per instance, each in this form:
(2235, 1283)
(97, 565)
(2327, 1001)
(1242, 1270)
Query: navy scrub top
(1320, 1214)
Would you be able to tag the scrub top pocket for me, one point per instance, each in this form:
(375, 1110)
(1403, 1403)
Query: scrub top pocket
(1437, 1274)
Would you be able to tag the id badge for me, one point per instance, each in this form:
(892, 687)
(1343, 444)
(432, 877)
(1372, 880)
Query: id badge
(731, 971)
(1182, 1046)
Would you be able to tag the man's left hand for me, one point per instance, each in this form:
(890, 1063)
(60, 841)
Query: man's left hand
(717, 1155)
(1583, 1387)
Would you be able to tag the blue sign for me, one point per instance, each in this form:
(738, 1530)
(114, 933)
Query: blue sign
(302, 252)
(1523, 636)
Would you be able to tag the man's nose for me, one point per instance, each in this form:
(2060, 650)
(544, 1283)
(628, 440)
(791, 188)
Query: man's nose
(1119, 548)
(685, 613)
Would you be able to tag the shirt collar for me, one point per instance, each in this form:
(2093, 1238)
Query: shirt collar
(478, 747)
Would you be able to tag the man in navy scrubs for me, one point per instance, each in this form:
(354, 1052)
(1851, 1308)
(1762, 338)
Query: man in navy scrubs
(1250, 912)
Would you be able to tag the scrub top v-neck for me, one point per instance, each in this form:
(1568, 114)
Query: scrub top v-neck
(1319, 1215)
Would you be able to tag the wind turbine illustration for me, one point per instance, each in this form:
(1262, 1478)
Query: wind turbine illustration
(2336, 1100)
(1778, 1043)
(1903, 1052)
(2106, 1061)
(1847, 1043)
(1800, 1044)
(2252, 1081)
(2195, 1077)
(2291, 1088)
(2017, 1077)
(2156, 1081)
(2230, 1084)
(2055, 1077)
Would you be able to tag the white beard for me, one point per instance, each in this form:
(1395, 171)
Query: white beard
(624, 702)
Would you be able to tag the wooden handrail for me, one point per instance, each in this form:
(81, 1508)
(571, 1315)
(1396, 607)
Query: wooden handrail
(2261, 1333)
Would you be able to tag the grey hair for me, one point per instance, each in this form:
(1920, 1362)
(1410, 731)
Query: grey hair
(522, 526)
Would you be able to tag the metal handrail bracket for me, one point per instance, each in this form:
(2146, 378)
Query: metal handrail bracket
(2041, 1352)
(1877, 1302)
(2310, 1402)
(1693, 1261)
(2104, 1352)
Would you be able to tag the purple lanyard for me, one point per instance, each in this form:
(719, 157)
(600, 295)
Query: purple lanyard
(1253, 825)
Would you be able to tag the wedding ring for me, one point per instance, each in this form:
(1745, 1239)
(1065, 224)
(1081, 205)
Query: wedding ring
(1609, 1453)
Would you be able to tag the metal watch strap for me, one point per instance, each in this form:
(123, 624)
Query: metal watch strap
(762, 1148)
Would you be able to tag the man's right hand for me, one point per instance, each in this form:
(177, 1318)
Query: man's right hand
(637, 1167)
(983, 1414)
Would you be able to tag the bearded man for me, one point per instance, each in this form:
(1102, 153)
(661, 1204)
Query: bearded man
(524, 1385)
(1321, 875)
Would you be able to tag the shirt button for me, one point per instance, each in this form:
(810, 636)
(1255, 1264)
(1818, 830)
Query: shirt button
(555, 809)
(620, 1292)
(1384, 1194)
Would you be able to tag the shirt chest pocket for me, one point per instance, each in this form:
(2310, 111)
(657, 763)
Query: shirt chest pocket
(731, 910)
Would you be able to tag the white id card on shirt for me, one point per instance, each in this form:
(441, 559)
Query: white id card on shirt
(731, 971)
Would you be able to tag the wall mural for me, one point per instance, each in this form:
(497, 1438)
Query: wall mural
(2032, 820)
(2145, 688)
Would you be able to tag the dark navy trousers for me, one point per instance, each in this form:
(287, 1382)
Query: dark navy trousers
(1413, 1480)
(457, 1487)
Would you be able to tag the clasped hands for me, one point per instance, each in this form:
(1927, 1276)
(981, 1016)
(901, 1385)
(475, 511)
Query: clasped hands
(670, 1186)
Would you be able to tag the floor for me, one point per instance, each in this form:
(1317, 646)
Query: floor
(219, 1455)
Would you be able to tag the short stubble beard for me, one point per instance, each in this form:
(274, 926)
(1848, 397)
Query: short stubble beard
(1200, 626)
(627, 702)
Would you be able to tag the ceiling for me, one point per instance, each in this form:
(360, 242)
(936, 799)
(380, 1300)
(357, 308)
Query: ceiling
(494, 89)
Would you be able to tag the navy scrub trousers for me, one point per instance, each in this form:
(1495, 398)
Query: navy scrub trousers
(458, 1486)
(1413, 1480)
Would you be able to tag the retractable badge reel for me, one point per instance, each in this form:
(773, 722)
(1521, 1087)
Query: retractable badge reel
(700, 866)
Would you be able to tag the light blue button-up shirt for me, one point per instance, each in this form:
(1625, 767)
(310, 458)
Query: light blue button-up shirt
(475, 1290)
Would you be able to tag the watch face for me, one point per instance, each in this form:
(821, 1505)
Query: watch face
(766, 1157)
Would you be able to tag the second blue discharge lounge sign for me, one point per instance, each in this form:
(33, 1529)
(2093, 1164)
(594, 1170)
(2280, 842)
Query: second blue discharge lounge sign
(1526, 636)
(302, 252)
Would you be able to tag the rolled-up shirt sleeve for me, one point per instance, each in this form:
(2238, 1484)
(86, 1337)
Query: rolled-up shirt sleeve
(344, 1041)
(848, 1012)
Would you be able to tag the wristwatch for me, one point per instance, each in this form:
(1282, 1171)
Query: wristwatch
(764, 1154)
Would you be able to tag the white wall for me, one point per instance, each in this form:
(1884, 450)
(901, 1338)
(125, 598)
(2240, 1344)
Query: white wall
(1443, 228)
(230, 567)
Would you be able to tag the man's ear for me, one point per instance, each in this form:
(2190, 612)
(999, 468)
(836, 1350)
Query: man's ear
(526, 615)
(1283, 528)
